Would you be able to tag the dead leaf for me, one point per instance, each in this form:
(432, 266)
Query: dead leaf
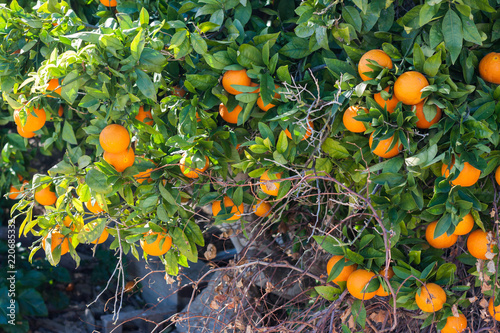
(454, 310)
(211, 252)
(169, 279)
(378, 317)
(269, 287)
(214, 305)
(483, 303)
(472, 299)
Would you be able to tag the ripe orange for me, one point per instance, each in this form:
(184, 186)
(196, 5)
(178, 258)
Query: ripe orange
(268, 187)
(45, 196)
(357, 281)
(465, 226)
(14, 192)
(467, 177)
(57, 239)
(260, 102)
(143, 175)
(122, 160)
(60, 112)
(442, 242)
(232, 77)
(24, 133)
(497, 175)
(68, 222)
(390, 104)
(455, 324)
(422, 121)
(496, 314)
(179, 92)
(383, 146)
(94, 208)
(102, 238)
(344, 274)
(262, 208)
(381, 291)
(478, 244)
(235, 210)
(377, 56)
(154, 249)
(230, 117)
(351, 124)
(33, 122)
(306, 135)
(53, 88)
(189, 172)
(142, 115)
(489, 68)
(109, 3)
(432, 298)
(114, 138)
(408, 86)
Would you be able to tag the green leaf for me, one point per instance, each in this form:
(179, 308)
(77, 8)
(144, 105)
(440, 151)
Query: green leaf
(431, 65)
(339, 67)
(351, 16)
(171, 265)
(97, 181)
(282, 144)
(329, 244)
(196, 233)
(249, 56)
(145, 85)
(334, 149)
(427, 13)
(298, 48)
(418, 58)
(284, 74)
(137, 44)
(144, 16)
(68, 134)
(31, 303)
(470, 31)
(452, 33)
(328, 292)
(198, 43)
(182, 242)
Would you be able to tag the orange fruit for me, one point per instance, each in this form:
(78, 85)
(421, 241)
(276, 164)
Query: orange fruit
(253, 84)
(109, 3)
(102, 238)
(154, 249)
(142, 115)
(230, 116)
(235, 210)
(497, 175)
(122, 160)
(143, 175)
(45, 196)
(442, 242)
(351, 124)
(262, 208)
(491, 307)
(68, 222)
(383, 146)
(381, 291)
(408, 86)
(179, 92)
(465, 226)
(232, 77)
(114, 138)
(378, 56)
(54, 87)
(14, 192)
(94, 208)
(60, 112)
(390, 104)
(478, 244)
(57, 239)
(24, 133)
(431, 299)
(455, 324)
(306, 135)
(189, 172)
(489, 68)
(467, 177)
(344, 273)
(33, 122)
(270, 188)
(357, 281)
(260, 102)
(422, 121)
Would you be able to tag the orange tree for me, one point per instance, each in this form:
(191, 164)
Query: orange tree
(269, 93)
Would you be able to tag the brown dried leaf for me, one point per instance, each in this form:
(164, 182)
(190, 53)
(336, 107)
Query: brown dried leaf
(211, 252)
(169, 279)
(220, 298)
(472, 299)
(378, 317)
(483, 303)
(239, 284)
(214, 305)
(269, 287)
(454, 310)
